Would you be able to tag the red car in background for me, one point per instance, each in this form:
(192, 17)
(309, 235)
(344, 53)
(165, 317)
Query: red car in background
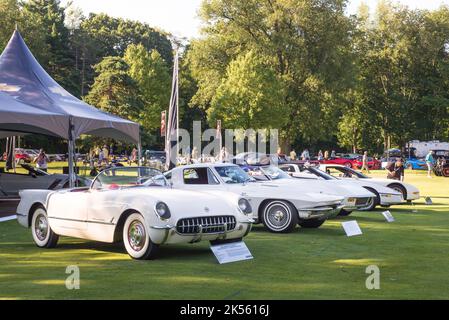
(373, 164)
(21, 156)
(344, 160)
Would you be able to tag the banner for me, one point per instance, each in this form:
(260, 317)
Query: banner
(163, 123)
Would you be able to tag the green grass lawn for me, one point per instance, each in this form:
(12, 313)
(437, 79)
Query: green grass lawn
(412, 254)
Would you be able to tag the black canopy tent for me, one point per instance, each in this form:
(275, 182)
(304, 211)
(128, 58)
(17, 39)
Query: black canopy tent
(32, 102)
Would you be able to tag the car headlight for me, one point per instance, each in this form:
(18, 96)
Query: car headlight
(245, 206)
(162, 211)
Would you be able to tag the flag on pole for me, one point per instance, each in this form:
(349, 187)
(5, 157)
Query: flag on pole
(163, 123)
(171, 139)
(218, 135)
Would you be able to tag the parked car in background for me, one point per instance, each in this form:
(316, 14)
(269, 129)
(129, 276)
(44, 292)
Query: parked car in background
(21, 156)
(387, 190)
(347, 160)
(441, 167)
(383, 196)
(355, 197)
(11, 183)
(279, 207)
(136, 206)
(373, 164)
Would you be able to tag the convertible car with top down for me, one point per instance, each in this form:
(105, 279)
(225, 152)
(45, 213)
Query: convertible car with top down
(134, 205)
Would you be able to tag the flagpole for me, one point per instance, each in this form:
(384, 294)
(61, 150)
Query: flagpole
(177, 103)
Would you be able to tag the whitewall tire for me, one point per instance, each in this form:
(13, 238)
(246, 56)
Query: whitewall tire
(43, 236)
(137, 240)
(279, 217)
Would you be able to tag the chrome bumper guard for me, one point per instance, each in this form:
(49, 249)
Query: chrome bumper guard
(198, 235)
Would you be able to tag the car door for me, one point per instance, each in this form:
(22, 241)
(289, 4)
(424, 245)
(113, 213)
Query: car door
(68, 210)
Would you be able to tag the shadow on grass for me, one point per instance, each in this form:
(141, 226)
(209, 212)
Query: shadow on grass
(166, 252)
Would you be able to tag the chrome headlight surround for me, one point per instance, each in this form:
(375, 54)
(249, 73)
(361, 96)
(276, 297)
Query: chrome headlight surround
(245, 206)
(162, 211)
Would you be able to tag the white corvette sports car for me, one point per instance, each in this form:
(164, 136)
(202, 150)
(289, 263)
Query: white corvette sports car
(408, 191)
(280, 208)
(355, 197)
(385, 196)
(135, 205)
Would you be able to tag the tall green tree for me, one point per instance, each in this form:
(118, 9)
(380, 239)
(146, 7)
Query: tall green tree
(306, 43)
(152, 76)
(114, 90)
(250, 96)
(58, 59)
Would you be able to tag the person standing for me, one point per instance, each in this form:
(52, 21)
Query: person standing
(293, 155)
(326, 155)
(305, 155)
(365, 161)
(333, 155)
(396, 170)
(133, 156)
(41, 160)
(320, 155)
(430, 161)
(105, 154)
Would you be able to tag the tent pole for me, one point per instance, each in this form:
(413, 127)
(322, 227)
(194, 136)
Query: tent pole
(71, 145)
(139, 152)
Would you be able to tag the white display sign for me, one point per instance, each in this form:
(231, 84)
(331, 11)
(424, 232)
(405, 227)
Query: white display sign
(8, 218)
(388, 216)
(429, 201)
(231, 252)
(351, 228)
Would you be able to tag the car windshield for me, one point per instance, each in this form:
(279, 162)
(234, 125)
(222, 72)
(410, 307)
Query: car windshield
(319, 173)
(121, 177)
(344, 172)
(233, 174)
(275, 173)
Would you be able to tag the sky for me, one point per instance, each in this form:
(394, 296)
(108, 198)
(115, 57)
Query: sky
(179, 17)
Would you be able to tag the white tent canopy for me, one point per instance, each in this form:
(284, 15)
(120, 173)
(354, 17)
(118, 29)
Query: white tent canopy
(32, 102)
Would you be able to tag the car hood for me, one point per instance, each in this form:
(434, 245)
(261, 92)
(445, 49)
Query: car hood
(333, 187)
(274, 190)
(189, 203)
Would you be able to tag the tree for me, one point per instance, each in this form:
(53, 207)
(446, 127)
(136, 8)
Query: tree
(114, 90)
(306, 43)
(152, 76)
(107, 36)
(58, 60)
(250, 96)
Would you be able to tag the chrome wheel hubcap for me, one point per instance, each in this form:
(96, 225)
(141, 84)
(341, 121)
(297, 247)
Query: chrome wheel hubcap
(41, 227)
(277, 217)
(136, 235)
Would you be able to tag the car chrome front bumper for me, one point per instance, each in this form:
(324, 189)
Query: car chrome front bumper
(390, 199)
(165, 234)
(322, 213)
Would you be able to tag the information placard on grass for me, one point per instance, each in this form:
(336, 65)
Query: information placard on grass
(388, 216)
(231, 252)
(351, 228)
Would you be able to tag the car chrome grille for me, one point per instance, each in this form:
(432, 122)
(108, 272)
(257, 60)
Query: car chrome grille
(362, 201)
(214, 224)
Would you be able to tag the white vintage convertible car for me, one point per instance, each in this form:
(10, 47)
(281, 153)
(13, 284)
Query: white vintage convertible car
(409, 192)
(279, 208)
(136, 205)
(355, 197)
(384, 196)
